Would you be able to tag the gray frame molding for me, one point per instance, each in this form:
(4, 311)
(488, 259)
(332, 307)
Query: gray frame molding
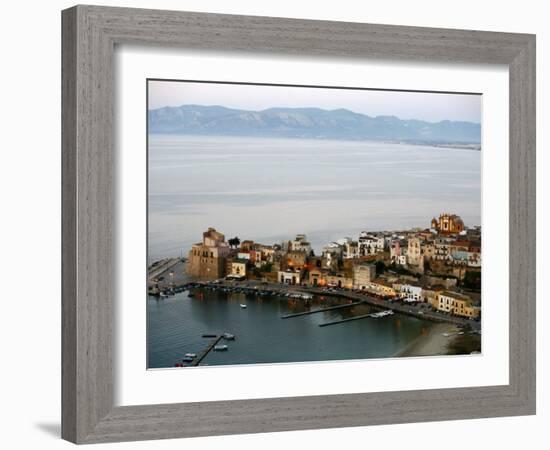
(89, 36)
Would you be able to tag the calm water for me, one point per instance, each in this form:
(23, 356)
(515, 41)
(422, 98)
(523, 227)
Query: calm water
(176, 324)
(271, 189)
(268, 190)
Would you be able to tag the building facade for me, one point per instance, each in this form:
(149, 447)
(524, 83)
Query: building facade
(448, 224)
(362, 275)
(208, 259)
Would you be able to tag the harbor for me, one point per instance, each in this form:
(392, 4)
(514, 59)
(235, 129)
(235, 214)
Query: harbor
(258, 288)
(281, 324)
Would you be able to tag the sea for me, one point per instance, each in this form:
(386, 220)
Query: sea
(269, 190)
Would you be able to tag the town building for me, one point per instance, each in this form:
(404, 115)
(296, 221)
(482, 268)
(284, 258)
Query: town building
(238, 268)
(457, 304)
(370, 244)
(380, 287)
(339, 280)
(414, 252)
(296, 259)
(300, 244)
(317, 276)
(351, 250)
(442, 249)
(409, 292)
(363, 274)
(289, 277)
(207, 259)
(448, 224)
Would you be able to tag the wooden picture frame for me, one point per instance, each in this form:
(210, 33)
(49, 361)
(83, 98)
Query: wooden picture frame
(90, 34)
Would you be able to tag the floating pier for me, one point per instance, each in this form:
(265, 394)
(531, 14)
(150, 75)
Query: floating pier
(328, 308)
(207, 350)
(349, 319)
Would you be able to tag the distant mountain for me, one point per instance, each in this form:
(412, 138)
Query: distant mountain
(307, 123)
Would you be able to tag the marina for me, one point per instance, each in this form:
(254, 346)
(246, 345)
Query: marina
(177, 324)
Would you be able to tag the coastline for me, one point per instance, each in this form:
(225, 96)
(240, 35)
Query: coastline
(434, 344)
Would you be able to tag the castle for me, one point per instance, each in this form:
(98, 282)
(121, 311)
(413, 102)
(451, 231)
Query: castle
(207, 259)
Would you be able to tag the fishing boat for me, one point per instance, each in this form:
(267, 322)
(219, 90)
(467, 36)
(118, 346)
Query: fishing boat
(220, 348)
(229, 336)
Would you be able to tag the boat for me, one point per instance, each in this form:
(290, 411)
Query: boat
(229, 336)
(387, 312)
(187, 359)
(190, 294)
(190, 355)
(220, 348)
(243, 305)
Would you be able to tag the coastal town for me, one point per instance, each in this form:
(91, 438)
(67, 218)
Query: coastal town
(436, 269)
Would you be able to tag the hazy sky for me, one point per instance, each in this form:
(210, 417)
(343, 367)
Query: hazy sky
(431, 107)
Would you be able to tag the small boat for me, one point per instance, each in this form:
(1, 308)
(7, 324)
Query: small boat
(190, 294)
(243, 305)
(229, 336)
(187, 359)
(190, 355)
(220, 348)
(387, 312)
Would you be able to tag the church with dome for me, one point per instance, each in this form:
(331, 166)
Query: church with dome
(448, 224)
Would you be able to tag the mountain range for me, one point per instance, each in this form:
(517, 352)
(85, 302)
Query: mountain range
(312, 123)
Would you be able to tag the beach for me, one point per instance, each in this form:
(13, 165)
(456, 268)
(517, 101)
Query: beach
(433, 344)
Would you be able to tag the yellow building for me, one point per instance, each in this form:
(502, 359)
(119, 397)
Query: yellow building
(238, 268)
(380, 287)
(457, 304)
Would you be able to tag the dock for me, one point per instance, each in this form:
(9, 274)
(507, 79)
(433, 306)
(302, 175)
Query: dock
(328, 308)
(205, 352)
(349, 319)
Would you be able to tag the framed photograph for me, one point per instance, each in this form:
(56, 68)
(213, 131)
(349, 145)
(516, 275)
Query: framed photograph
(278, 224)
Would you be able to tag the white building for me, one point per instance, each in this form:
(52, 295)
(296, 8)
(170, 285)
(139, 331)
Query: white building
(300, 244)
(370, 244)
(408, 291)
(289, 277)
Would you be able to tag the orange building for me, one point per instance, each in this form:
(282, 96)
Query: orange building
(448, 224)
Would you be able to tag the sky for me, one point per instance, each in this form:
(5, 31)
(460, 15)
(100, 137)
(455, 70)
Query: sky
(431, 107)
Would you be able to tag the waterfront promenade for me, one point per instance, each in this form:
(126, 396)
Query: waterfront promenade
(180, 280)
